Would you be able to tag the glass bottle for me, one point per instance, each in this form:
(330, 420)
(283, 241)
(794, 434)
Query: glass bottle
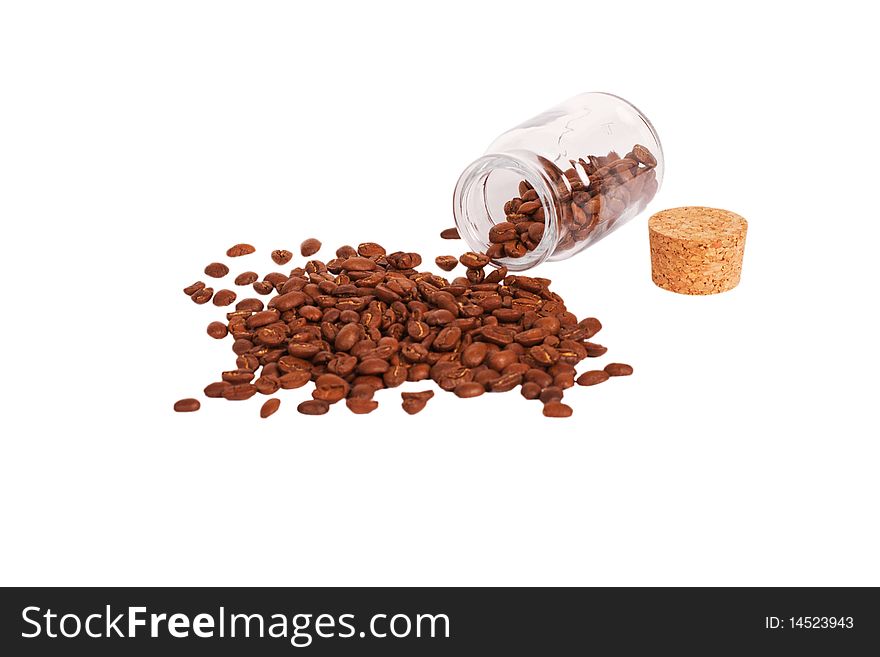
(560, 182)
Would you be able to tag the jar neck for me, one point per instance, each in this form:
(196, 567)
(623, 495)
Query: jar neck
(491, 180)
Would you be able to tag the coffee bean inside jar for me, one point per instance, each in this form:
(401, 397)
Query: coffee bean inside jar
(559, 182)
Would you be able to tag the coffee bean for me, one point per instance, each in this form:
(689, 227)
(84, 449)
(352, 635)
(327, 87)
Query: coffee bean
(262, 318)
(309, 247)
(618, 369)
(267, 385)
(192, 289)
(187, 405)
(474, 260)
(404, 260)
(564, 381)
(644, 156)
(216, 389)
(358, 264)
(476, 276)
(550, 325)
(506, 382)
(447, 339)
(246, 278)
(370, 250)
(539, 376)
(551, 394)
(414, 402)
(330, 388)
(313, 407)
(238, 376)
(474, 354)
(440, 317)
(361, 406)
(247, 362)
(503, 232)
(216, 270)
(529, 207)
(395, 375)
(263, 287)
(446, 263)
(269, 407)
(294, 379)
(517, 368)
(217, 330)
(530, 390)
(594, 350)
(496, 276)
(515, 249)
(203, 295)
(242, 345)
(531, 337)
(419, 372)
(591, 327)
(592, 378)
(362, 391)
(239, 392)
(224, 297)
(239, 250)
(469, 389)
(544, 354)
(501, 359)
(557, 409)
(495, 251)
(348, 336)
(373, 366)
(498, 335)
(281, 256)
(288, 301)
(450, 234)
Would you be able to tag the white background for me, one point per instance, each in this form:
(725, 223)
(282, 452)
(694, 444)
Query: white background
(139, 140)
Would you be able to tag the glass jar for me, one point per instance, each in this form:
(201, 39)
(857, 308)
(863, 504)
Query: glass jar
(556, 184)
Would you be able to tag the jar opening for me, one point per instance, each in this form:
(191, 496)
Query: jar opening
(483, 189)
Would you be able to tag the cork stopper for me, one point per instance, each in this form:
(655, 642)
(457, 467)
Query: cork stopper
(697, 250)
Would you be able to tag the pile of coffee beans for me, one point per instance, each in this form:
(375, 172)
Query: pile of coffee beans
(368, 320)
(590, 197)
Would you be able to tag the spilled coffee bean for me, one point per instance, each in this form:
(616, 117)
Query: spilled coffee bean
(203, 295)
(281, 257)
(310, 247)
(239, 250)
(217, 330)
(269, 407)
(618, 369)
(313, 407)
(592, 377)
(246, 278)
(187, 405)
(216, 270)
(361, 405)
(192, 289)
(224, 297)
(557, 409)
(368, 320)
(415, 402)
(446, 263)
